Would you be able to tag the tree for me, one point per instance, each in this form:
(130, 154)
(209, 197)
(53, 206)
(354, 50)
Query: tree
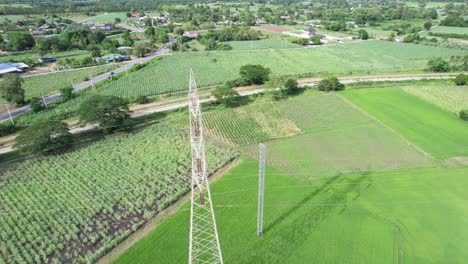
(438, 65)
(316, 40)
(464, 114)
(363, 34)
(67, 93)
(160, 35)
(254, 74)
(128, 14)
(19, 41)
(36, 104)
(461, 79)
(43, 136)
(427, 25)
(291, 86)
(117, 20)
(127, 39)
(140, 51)
(11, 88)
(226, 95)
(109, 112)
(330, 84)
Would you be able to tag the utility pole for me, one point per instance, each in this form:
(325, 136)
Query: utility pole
(92, 82)
(204, 244)
(261, 188)
(43, 100)
(9, 114)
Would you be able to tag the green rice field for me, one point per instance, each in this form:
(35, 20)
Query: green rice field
(450, 30)
(387, 217)
(448, 97)
(436, 131)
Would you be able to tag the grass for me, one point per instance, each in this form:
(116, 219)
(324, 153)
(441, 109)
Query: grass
(106, 17)
(388, 217)
(20, 57)
(450, 30)
(432, 4)
(271, 43)
(12, 18)
(337, 138)
(216, 67)
(47, 84)
(448, 97)
(434, 130)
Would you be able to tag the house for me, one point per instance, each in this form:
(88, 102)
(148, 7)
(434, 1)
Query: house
(194, 33)
(136, 14)
(47, 59)
(114, 58)
(13, 68)
(311, 32)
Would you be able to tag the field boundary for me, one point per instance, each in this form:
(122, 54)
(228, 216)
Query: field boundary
(420, 150)
(160, 217)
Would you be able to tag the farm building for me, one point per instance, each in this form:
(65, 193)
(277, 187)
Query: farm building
(114, 58)
(13, 68)
(311, 31)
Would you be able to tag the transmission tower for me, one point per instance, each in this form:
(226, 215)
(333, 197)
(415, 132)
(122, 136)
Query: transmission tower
(204, 241)
(261, 188)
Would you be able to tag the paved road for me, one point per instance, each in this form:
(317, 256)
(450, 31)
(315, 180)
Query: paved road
(21, 110)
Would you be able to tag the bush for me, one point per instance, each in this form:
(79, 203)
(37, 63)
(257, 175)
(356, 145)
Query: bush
(36, 104)
(464, 114)
(438, 65)
(141, 100)
(7, 128)
(461, 79)
(254, 74)
(330, 84)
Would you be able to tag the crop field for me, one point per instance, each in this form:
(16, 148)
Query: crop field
(74, 206)
(450, 98)
(450, 30)
(34, 56)
(271, 43)
(12, 18)
(171, 73)
(349, 218)
(338, 138)
(432, 4)
(251, 124)
(106, 17)
(436, 131)
(46, 84)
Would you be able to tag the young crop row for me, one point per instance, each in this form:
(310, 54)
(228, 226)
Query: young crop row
(245, 125)
(75, 206)
(216, 67)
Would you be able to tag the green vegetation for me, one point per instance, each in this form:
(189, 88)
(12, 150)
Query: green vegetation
(27, 56)
(354, 218)
(448, 97)
(47, 84)
(248, 124)
(75, 206)
(11, 89)
(43, 136)
(337, 138)
(105, 18)
(271, 43)
(434, 130)
(111, 113)
(450, 30)
(215, 67)
(330, 84)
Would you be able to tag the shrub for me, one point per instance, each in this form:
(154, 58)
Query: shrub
(461, 79)
(36, 104)
(330, 84)
(438, 65)
(141, 100)
(464, 114)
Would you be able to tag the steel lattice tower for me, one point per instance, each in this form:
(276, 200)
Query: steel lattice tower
(261, 188)
(204, 241)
